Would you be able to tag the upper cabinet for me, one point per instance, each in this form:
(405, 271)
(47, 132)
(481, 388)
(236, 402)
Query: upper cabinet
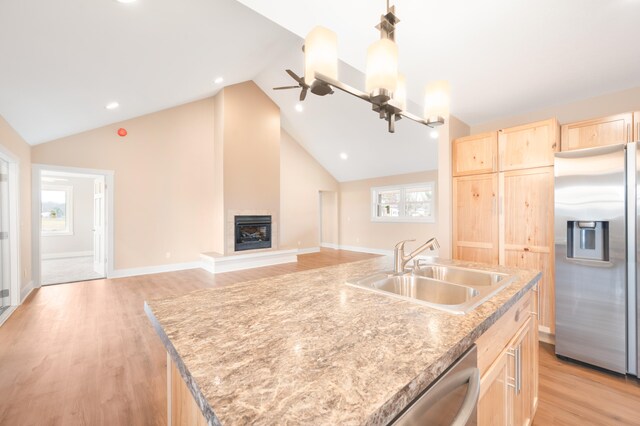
(597, 132)
(636, 125)
(528, 146)
(475, 154)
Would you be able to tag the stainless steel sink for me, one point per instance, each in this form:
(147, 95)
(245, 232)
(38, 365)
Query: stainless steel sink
(449, 288)
(461, 276)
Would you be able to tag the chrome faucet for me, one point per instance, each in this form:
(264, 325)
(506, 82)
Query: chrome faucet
(400, 260)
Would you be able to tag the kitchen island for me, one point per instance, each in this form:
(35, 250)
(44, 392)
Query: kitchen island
(306, 348)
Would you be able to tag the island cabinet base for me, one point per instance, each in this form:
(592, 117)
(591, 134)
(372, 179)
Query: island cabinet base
(182, 409)
(508, 363)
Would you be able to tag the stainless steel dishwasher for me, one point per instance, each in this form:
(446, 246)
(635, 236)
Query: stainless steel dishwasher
(451, 400)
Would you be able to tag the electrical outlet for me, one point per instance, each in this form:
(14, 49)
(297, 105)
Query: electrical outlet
(167, 255)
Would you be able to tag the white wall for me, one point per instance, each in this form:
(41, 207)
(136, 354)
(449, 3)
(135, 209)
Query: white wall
(82, 238)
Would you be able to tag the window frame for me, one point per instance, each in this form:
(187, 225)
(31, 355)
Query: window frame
(68, 189)
(402, 218)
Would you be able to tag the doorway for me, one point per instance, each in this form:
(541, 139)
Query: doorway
(71, 224)
(9, 235)
(328, 219)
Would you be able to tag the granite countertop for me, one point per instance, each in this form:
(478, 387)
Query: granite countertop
(308, 348)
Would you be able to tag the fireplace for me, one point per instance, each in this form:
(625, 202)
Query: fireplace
(252, 232)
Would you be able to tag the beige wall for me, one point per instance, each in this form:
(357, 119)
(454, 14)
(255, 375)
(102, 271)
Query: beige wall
(612, 103)
(301, 180)
(82, 238)
(356, 227)
(452, 129)
(164, 181)
(250, 147)
(218, 173)
(15, 146)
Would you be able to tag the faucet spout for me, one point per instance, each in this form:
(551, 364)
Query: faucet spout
(400, 259)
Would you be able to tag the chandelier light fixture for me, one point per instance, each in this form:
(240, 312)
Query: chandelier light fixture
(386, 88)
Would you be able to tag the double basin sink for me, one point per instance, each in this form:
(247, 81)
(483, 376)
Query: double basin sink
(449, 288)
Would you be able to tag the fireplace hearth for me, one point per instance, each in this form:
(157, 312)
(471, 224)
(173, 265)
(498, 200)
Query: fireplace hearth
(252, 232)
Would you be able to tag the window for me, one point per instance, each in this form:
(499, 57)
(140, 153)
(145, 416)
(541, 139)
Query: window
(56, 210)
(406, 203)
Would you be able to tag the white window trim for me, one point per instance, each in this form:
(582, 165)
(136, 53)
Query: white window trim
(69, 199)
(402, 189)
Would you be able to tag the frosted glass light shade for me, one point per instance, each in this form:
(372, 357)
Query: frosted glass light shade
(436, 100)
(320, 54)
(382, 66)
(400, 94)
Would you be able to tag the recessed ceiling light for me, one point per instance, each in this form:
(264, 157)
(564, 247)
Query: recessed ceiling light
(218, 80)
(299, 107)
(112, 105)
(434, 134)
(344, 155)
(125, 1)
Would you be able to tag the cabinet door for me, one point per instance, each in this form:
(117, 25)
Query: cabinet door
(521, 366)
(636, 125)
(495, 401)
(531, 145)
(598, 132)
(526, 230)
(475, 218)
(474, 154)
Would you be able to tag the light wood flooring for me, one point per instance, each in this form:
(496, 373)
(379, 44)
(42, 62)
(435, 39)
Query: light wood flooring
(86, 354)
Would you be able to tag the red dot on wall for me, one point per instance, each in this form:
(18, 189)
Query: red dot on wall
(122, 132)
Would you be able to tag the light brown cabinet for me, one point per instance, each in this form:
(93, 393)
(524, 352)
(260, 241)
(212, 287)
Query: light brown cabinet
(519, 232)
(530, 145)
(475, 218)
(602, 131)
(509, 384)
(636, 126)
(526, 229)
(476, 154)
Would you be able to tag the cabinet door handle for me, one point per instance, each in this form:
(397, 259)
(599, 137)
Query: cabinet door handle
(516, 353)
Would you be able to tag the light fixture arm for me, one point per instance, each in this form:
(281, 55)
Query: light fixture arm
(389, 110)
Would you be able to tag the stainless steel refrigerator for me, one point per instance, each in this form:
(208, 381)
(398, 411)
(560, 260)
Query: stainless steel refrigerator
(596, 201)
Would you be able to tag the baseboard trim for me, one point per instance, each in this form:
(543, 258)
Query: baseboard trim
(66, 255)
(309, 250)
(134, 272)
(366, 250)
(25, 292)
(218, 264)
(544, 335)
(6, 314)
(330, 245)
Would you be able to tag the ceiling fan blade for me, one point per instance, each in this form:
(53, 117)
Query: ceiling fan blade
(303, 94)
(285, 87)
(295, 77)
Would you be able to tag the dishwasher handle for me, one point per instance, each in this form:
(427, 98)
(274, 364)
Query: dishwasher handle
(472, 377)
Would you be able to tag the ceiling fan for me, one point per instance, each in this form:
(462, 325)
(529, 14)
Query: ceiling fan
(318, 89)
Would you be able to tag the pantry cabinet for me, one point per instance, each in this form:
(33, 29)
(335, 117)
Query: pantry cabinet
(511, 224)
(601, 131)
(526, 229)
(475, 154)
(530, 145)
(475, 218)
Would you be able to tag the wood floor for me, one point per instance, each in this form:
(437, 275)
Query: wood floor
(86, 354)
(572, 394)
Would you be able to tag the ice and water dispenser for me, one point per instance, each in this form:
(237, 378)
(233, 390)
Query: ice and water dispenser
(588, 240)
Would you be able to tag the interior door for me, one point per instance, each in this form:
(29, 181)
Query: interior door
(99, 255)
(5, 276)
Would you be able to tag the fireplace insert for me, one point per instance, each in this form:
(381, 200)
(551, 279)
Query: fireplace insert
(252, 232)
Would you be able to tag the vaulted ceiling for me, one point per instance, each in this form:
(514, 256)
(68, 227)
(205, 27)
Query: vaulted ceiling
(61, 62)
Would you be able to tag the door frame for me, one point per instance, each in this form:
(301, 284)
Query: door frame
(36, 174)
(15, 296)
